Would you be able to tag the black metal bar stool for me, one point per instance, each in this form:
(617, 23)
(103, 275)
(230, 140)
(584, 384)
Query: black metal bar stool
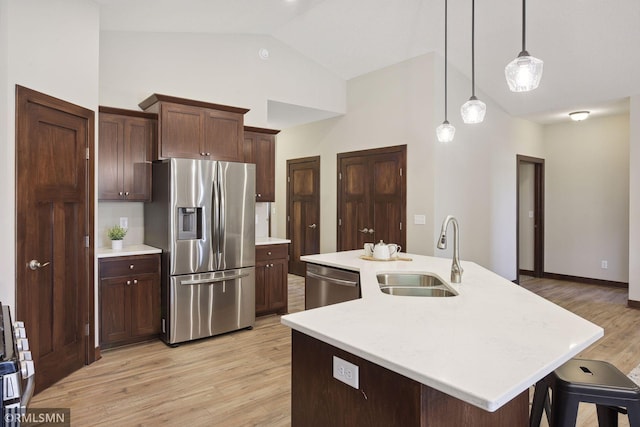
(590, 381)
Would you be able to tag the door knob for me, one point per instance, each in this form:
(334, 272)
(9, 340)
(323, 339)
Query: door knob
(34, 264)
(364, 230)
(312, 226)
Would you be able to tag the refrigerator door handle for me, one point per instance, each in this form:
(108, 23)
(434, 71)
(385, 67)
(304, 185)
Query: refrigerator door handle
(221, 216)
(214, 280)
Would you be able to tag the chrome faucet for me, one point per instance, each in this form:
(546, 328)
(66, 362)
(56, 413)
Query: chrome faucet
(456, 268)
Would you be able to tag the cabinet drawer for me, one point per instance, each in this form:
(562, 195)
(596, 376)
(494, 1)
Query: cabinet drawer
(267, 252)
(128, 265)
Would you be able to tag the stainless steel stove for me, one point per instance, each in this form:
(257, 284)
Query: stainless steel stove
(16, 369)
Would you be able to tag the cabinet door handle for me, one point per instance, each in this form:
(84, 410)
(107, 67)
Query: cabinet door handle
(364, 230)
(131, 267)
(135, 281)
(371, 231)
(126, 193)
(128, 282)
(120, 194)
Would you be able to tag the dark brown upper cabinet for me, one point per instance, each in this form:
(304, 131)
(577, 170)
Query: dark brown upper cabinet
(260, 148)
(125, 141)
(195, 129)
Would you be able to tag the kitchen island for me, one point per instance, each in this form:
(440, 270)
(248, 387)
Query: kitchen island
(476, 353)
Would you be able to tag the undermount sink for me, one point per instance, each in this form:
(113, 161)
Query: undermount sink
(414, 285)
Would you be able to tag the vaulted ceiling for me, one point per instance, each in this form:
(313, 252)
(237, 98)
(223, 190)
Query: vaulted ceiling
(589, 47)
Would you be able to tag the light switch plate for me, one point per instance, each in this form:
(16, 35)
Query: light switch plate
(124, 222)
(345, 372)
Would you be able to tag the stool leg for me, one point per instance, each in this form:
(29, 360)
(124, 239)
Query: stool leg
(565, 410)
(607, 416)
(633, 412)
(540, 403)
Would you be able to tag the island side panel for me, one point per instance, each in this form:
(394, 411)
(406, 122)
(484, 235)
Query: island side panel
(317, 399)
(384, 398)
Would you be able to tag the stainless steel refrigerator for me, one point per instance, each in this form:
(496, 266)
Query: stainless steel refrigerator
(202, 216)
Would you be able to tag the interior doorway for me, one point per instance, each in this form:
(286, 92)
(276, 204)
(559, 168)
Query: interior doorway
(530, 216)
(54, 248)
(303, 210)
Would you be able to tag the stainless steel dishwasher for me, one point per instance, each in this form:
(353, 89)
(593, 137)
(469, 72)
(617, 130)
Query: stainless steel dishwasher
(328, 285)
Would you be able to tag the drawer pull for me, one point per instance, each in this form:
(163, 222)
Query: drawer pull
(131, 267)
(269, 253)
(128, 282)
(135, 281)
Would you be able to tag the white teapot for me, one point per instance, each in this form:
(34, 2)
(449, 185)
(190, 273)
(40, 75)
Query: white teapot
(385, 251)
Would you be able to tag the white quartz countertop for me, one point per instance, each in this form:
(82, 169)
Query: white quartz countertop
(128, 250)
(271, 241)
(484, 346)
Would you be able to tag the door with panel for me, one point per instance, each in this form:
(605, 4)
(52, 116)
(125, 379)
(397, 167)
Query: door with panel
(54, 256)
(371, 197)
(303, 210)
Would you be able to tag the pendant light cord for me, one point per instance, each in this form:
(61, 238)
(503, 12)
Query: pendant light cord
(445, 60)
(524, 24)
(473, 48)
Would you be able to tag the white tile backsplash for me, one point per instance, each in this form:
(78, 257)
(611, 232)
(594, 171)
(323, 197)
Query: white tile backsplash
(109, 214)
(262, 219)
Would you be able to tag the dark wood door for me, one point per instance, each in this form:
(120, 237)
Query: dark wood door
(372, 197)
(54, 148)
(181, 131)
(223, 135)
(139, 134)
(262, 297)
(303, 210)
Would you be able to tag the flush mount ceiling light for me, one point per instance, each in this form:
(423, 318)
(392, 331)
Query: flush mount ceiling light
(445, 131)
(473, 110)
(523, 73)
(579, 116)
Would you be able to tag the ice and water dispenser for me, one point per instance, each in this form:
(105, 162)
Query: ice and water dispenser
(189, 223)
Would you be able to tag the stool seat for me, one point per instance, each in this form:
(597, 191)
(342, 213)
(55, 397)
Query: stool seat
(590, 381)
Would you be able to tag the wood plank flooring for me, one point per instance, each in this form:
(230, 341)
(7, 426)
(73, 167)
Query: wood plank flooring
(242, 378)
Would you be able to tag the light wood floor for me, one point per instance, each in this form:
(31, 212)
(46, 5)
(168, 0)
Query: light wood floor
(242, 378)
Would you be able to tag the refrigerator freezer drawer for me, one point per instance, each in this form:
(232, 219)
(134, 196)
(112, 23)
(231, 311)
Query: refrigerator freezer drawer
(207, 304)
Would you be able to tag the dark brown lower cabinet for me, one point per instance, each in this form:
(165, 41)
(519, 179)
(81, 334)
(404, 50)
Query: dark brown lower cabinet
(129, 299)
(384, 398)
(271, 279)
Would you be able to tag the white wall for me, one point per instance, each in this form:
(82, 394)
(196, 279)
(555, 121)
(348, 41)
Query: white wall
(634, 199)
(473, 178)
(223, 69)
(587, 198)
(50, 46)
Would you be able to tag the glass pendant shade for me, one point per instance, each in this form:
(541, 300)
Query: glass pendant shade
(523, 73)
(473, 111)
(445, 132)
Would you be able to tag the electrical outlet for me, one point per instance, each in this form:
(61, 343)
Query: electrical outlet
(604, 264)
(419, 219)
(345, 372)
(124, 222)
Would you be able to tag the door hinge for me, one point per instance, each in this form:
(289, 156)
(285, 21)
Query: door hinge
(288, 218)
(340, 176)
(86, 241)
(400, 226)
(87, 153)
(86, 329)
(288, 179)
(400, 171)
(340, 222)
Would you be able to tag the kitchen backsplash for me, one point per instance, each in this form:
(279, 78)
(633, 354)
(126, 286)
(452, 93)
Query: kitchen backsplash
(109, 214)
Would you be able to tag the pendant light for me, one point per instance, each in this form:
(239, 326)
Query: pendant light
(445, 131)
(523, 73)
(473, 110)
